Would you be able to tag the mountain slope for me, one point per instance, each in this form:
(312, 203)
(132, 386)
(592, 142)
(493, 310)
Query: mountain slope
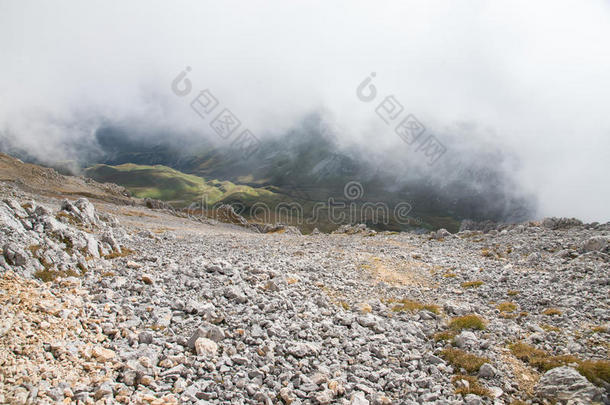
(164, 183)
(306, 165)
(141, 306)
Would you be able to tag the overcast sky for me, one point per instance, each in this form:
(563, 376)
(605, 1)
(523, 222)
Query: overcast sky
(533, 77)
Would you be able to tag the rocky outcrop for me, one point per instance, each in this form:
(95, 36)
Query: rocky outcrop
(441, 234)
(153, 204)
(226, 213)
(39, 242)
(561, 223)
(349, 229)
(276, 228)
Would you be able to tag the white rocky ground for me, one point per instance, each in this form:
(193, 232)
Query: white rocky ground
(144, 307)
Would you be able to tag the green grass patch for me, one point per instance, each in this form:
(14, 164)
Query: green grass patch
(164, 183)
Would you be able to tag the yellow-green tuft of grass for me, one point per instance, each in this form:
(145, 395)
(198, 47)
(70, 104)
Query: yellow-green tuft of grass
(450, 275)
(474, 387)
(552, 311)
(82, 267)
(486, 253)
(507, 307)
(512, 293)
(549, 328)
(539, 358)
(596, 371)
(472, 284)
(444, 335)
(525, 352)
(34, 249)
(412, 306)
(599, 329)
(68, 218)
(556, 361)
(47, 275)
(463, 360)
(343, 305)
(471, 321)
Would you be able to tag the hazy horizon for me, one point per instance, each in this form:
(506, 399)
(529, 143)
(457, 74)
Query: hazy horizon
(530, 81)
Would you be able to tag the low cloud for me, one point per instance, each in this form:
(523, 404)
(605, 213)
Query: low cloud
(520, 87)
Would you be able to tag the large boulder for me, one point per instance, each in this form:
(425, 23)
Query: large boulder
(80, 211)
(441, 234)
(466, 339)
(563, 384)
(87, 210)
(595, 244)
(7, 219)
(354, 229)
(17, 209)
(14, 255)
(457, 308)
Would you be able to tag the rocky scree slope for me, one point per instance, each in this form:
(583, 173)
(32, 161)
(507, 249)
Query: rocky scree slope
(97, 311)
